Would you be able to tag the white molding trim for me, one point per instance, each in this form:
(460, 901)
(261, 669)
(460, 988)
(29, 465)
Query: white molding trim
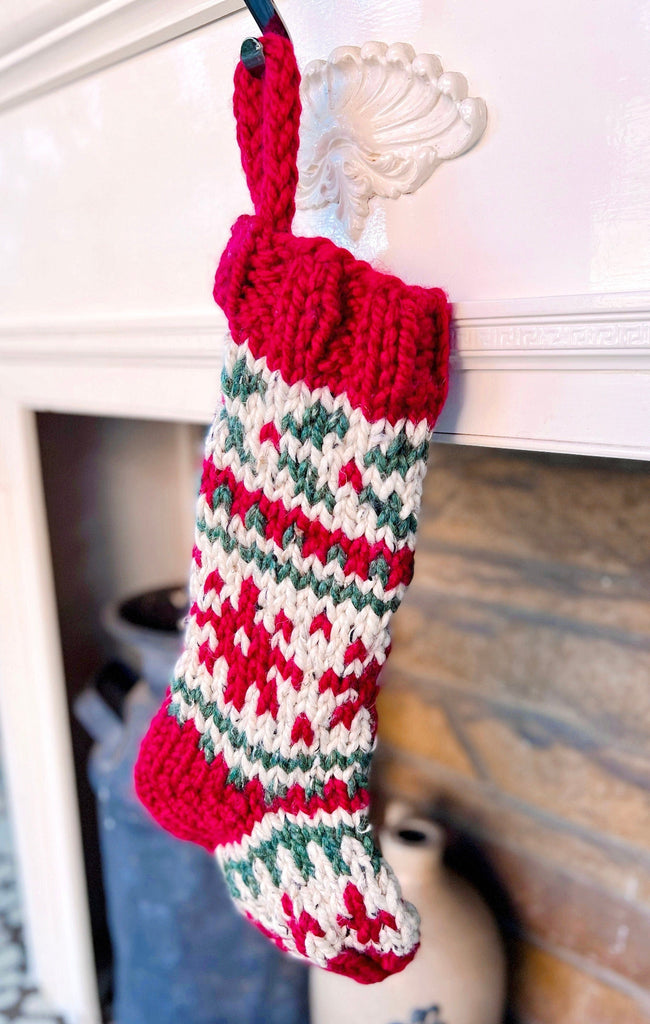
(563, 373)
(40, 776)
(108, 33)
(609, 329)
(599, 332)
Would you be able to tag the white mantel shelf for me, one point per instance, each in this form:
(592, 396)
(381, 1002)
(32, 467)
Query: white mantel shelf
(566, 374)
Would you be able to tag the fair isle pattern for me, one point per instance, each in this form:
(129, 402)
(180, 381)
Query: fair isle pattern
(329, 589)
(304, 547)
(333, 379)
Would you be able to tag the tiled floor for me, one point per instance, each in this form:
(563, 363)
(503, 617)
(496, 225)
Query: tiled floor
(20, 1000)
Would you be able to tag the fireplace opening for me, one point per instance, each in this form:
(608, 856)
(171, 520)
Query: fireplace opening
(515, 706)
(120, 506)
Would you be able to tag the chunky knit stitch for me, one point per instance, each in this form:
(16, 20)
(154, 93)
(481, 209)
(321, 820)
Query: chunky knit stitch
(334, 375)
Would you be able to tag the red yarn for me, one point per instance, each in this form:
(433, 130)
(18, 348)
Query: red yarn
(301, 312)
(365, 968)
(369, 968)
(312, 310)
(194, 800)
(318, 540)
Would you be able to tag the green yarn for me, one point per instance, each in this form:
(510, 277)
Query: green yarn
(303, 761)
(279, 570)
(389, 511)
(295, 838)
(398, 457)
(242, 382)
(318, 422)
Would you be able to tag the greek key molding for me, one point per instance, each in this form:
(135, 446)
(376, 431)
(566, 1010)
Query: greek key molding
(528, 373)
(542, 335)
(529, 331)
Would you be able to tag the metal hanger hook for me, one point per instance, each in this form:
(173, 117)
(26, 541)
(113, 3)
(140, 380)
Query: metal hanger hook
(268, 20)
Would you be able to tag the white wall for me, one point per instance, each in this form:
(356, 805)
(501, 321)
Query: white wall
(118, 190)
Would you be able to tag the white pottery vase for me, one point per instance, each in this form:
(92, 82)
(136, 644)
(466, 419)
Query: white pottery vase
(458, 975)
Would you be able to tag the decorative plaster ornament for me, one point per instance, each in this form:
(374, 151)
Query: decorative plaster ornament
(377, 120)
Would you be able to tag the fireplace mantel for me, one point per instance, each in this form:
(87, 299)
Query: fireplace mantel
(122, 186)
(565, 373)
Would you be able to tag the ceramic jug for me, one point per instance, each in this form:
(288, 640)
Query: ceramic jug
(458, 975)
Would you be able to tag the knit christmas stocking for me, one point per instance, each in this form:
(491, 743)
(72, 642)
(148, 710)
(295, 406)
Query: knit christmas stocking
(334, 375)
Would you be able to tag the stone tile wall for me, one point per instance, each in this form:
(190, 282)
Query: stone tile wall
(516, 708)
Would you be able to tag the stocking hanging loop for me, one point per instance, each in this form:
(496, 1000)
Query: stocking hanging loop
(267, 111)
